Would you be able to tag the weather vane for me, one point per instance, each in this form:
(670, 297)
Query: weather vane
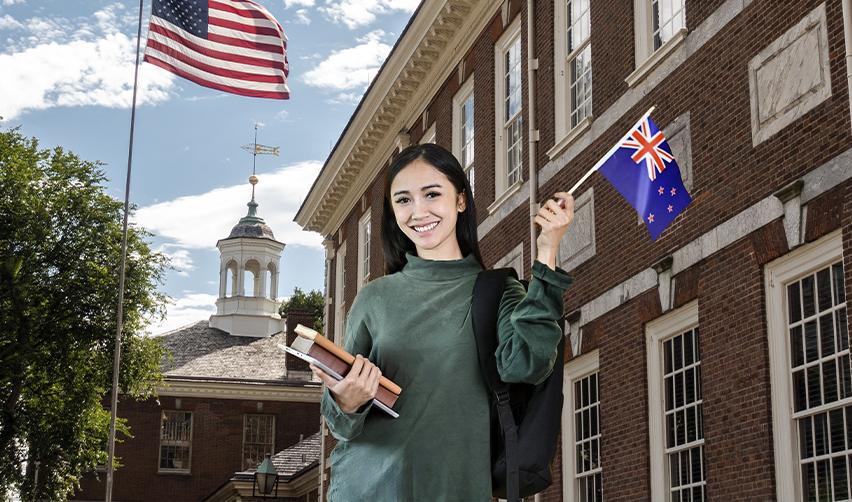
(256, 150)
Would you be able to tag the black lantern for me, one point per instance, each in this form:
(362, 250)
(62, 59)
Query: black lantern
(265, 478)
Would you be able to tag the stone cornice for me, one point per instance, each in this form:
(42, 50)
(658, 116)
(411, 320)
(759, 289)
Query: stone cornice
(308, 393)
(438, 37)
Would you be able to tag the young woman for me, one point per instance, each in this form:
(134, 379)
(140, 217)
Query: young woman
(414, 324)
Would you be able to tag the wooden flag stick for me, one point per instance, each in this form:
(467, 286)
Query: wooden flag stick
(348, 358)
(608, 154)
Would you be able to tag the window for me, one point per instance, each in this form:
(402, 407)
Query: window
(509, 121)
(339, 293)
(364, 233)
(463, 130)
(176, 441)
(581, 431)
(676, 417)
(660, 25)
(574, 65)
(810, 371)
(258, 439)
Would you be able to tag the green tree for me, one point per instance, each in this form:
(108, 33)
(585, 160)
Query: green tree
(60, 242)
(311, 301)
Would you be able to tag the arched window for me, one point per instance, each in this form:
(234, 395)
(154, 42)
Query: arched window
(230, 279)
(271, 282)
(251, 278)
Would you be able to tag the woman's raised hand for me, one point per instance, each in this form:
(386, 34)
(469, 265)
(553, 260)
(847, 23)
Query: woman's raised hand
(553, 217)
(356, 388)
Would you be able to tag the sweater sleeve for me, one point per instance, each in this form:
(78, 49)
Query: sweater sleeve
(528, 327)
(357, 340)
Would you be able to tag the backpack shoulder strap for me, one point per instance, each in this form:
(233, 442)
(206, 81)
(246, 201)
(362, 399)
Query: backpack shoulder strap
(485, 306)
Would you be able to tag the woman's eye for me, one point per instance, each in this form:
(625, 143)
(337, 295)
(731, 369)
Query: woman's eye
(432, 195)
(402, 200)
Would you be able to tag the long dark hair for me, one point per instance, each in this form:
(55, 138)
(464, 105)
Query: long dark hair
(394, 242)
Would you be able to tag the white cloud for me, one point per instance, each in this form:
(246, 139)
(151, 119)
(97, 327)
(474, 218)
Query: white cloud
(355, 13)
(179, 259)
(350, 68)
(298, 3)
(8, 22)
(13, 2)
(302, 17)
(61, 62)
(198, 221)
(188, 309)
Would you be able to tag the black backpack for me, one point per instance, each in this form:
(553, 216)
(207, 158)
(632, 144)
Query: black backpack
(525, 418)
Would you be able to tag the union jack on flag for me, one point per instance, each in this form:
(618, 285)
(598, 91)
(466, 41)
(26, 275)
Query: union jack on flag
(644, 171)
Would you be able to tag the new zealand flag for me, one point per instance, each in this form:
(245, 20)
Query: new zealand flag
(643, 170)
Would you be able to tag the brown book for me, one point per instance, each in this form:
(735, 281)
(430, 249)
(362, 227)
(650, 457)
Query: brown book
(313, 350)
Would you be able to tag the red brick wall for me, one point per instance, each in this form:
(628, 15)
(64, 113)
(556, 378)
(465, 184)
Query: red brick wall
(729, 174)
(217, 435)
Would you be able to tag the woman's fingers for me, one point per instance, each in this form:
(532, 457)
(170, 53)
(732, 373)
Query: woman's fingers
(325, 378)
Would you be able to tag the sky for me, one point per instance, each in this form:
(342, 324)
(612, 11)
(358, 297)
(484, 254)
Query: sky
(66, 78)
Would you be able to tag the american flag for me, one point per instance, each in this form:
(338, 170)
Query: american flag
(644, 171)
(234, 46)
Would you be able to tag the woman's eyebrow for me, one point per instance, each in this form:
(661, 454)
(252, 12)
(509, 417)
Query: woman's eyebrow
(427, 187)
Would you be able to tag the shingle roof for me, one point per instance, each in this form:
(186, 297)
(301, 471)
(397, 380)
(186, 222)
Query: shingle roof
(199, 351)
(301, 455)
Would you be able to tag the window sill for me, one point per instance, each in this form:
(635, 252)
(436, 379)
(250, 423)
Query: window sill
(569, 138)
(655, 59)
(504, 197)
(178, 472)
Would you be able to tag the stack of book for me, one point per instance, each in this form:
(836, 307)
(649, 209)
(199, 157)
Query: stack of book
(316, 349)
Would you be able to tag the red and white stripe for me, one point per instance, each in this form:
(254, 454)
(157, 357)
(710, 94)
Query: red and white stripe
(245, 53)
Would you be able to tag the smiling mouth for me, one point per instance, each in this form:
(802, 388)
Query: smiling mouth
(425, 228)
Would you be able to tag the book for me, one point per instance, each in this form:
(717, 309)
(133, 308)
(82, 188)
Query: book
(312, 347)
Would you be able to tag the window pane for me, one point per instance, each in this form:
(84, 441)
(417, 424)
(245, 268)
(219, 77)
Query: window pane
(794, 302)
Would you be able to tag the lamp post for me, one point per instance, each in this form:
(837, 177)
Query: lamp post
(265, 479)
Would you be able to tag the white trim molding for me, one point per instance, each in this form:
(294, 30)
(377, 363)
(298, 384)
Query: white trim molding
(240, 390)
(646, 56)
(340, 293)
(778, 273)
(460, 100)
(575, 369)
(565, 133)
(656, 332)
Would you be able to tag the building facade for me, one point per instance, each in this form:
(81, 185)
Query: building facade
(712, 363)
(230, 396)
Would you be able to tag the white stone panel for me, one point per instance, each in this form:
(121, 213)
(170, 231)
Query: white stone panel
(790, 76)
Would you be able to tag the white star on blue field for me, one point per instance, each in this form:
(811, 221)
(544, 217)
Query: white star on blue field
(66, 77)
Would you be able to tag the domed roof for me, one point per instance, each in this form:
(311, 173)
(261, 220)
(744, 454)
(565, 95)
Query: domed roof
(252, 225)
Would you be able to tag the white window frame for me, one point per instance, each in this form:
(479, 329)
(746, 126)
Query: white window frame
(645, 56)
(777, 274)
(245, 424)
(429, 136)
(501, 182)
(365, 226)
(188, 469)
(565, 133)
(339, 293)
(657, 332)
(459, 101)
(576, 369)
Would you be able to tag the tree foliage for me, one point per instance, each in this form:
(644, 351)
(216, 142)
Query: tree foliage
(311, 301)
(60, 243)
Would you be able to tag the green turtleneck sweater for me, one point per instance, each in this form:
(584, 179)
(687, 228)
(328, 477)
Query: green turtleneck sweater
(416, 326)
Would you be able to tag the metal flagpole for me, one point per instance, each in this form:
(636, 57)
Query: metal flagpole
(116, 363)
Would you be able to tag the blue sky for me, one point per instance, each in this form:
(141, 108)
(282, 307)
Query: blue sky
(66, 76)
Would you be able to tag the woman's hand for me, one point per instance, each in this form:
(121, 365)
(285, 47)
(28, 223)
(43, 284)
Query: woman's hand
(553, 217)
(356, 388)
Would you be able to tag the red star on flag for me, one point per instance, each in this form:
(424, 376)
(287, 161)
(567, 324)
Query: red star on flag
(673, 192)
(651, 218)
(670, 208)
(661, 190)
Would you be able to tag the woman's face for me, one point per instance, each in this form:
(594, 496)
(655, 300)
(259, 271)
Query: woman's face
(426, 206)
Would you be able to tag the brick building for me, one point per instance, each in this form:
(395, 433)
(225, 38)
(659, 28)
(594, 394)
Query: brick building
(230, 396)
(712, 363)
